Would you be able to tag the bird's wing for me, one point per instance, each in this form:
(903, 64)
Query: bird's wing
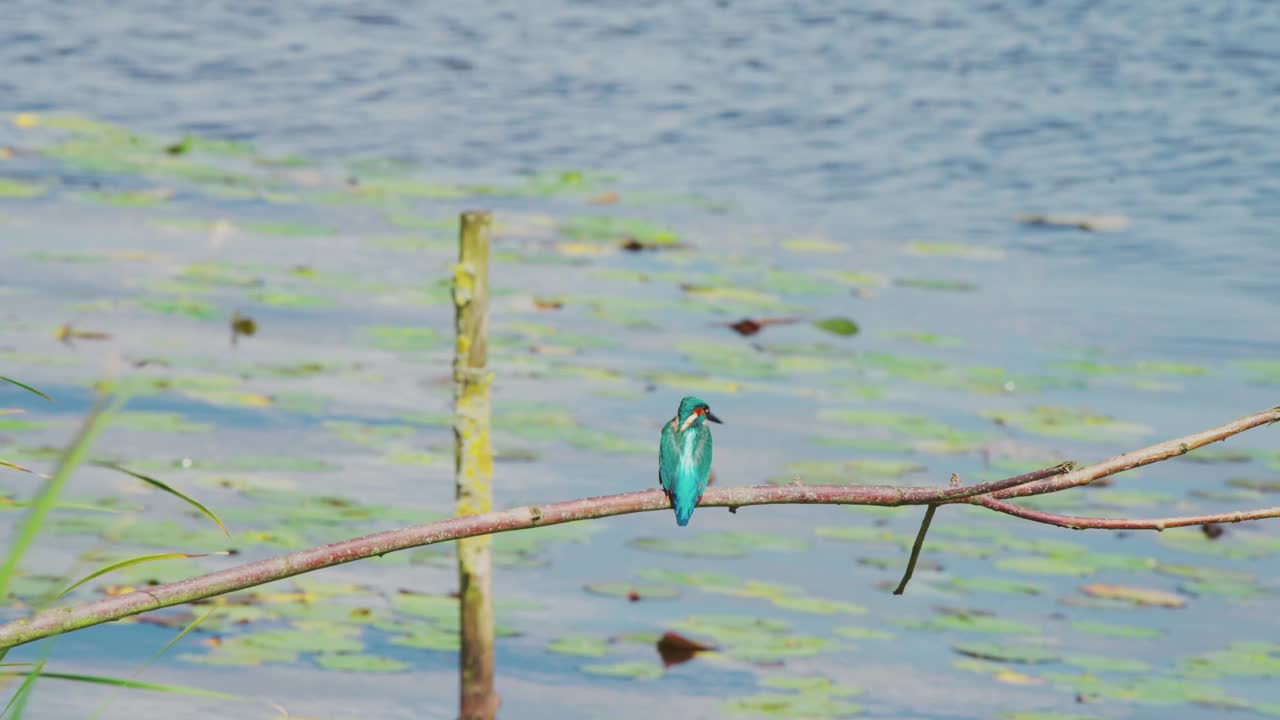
(702, 458)
(668, 457)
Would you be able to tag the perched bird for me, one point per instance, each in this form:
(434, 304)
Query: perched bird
(684, 456)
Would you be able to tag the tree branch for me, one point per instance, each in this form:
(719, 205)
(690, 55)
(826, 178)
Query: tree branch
(60, 620)
(1075, 522)
(915, 549)
(65, 619)
(1145, 456)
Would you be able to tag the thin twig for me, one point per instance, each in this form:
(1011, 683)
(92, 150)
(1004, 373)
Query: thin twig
(1075, 522)
(1145, 456)
(915, 549)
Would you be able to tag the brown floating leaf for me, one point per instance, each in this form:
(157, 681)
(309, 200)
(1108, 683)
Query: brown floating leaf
(182, 147)
(633, 245)
(606, 198)
(1135, 595)
(1096, 223)
(1213, 531)
(675, 648)
(241, 325)
(750, 326)
(548, 303)
(67, 333)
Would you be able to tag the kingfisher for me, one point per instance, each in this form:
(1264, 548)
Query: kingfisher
(684, 456)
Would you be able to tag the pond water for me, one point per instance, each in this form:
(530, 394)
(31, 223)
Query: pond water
(783, 160)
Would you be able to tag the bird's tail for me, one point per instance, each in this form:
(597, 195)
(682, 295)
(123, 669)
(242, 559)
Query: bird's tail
(684, 504)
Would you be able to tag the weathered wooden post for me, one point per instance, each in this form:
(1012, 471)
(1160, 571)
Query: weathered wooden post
(473, 455)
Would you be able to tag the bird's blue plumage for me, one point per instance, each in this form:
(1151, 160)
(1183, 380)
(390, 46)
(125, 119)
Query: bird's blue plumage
(684, 456)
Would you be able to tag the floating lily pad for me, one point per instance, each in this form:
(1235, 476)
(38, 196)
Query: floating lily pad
(975, 622)
(1091, 627)
(821, 606)
(404, 339)
(936, 284)
(354, 662)
(1045, 715)
(1262, 371)
(1135, 595)
(915, 426)
(580, 645)
(690, 579)
(631, 670)
(720, 544)
(1011, 653)
(1148, 689)
(862, 633)
(849, 472)
(132, 198)
(334, 639)
(10, 188)
(293, 300)
(1142, 367)
(955, 250)
(926, 338)
(13, 424)
(855, 278)
(632, 591)
(1054, 565)
(754, 639)
(1106, 663)
(1240, 659)
(809, 684)
(158, 422)
(993, 584)
(792, 706)
(196, 309)
(236, 651)
(290, 229)
(812, 245)
(1066, 423)
(1267, 486)
(606, 228)
(863, 534)
(429, 638)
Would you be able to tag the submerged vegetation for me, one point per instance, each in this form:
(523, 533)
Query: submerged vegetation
(283, 331)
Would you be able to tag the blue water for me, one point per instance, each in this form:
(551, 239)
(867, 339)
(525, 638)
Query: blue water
(873, 125)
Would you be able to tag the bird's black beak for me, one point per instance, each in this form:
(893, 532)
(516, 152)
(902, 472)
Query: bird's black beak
(713, 418)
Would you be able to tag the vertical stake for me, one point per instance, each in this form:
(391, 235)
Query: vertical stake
(473, 456)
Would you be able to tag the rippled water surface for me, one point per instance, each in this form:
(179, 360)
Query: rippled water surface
(812, 161)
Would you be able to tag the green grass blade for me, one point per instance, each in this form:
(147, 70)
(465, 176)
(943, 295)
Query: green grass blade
(172, 491)
(71, 458)
(126, 563)
(14, 466)
(131, 684)
(18, 703)
(190, 626)
(26, 387)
